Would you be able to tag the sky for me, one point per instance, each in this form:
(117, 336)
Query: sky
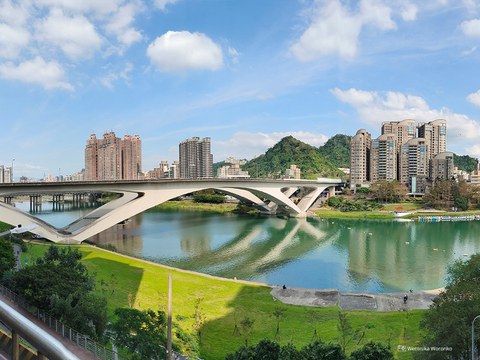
(244, 73)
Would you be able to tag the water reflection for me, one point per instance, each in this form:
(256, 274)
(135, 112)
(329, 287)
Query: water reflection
(349, 255)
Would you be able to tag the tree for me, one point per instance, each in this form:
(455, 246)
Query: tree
(440, 195)
(198, 319)
(318, 350)
(278, 313)
(388, 191)
(372, 351)
(313, 317)
(267, 350)
(288, 352)
(246, 324)
(7, 258)
(243, 353)
(345, 330)
(143, 333)
(60, 284)
(448, 321)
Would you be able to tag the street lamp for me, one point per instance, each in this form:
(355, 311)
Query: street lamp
(11, 170)
(473, 336)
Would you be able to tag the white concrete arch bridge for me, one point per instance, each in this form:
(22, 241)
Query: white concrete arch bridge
(140, 195)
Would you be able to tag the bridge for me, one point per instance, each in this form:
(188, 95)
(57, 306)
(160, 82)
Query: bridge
(293, 197)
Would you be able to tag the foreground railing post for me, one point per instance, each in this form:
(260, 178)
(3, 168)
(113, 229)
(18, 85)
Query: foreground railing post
(15, 345)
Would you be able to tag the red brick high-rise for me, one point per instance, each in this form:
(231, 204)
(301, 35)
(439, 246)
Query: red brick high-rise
(112, 158)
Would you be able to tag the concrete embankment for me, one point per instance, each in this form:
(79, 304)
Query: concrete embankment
(355, 301)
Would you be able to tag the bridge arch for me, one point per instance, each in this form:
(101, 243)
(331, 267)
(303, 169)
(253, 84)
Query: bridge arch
(138, 196)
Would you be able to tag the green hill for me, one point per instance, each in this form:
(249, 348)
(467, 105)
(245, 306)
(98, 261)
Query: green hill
(289, 151)
(337, 150)
(464, 162)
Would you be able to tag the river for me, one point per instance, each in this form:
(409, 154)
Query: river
(350, 255)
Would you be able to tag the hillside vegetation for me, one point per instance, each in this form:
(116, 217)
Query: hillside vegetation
(464, 162)
(289, 151)
(337, 150)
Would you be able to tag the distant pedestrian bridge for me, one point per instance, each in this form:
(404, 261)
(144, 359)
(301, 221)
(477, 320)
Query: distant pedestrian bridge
(292, 197)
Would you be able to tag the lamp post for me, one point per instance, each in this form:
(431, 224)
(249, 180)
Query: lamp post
(473, 336)
(11, 170)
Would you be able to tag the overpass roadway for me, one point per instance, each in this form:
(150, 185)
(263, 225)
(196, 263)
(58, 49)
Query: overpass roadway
(294, 197)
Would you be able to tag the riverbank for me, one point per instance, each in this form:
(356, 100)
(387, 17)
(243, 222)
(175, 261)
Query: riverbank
(132, 282)
(326, 213)
(356, 301)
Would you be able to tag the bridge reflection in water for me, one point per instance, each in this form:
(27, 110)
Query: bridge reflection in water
(349, 255)
(353, 255)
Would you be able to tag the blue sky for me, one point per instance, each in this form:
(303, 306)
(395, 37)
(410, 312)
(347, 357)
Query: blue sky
(245, 73)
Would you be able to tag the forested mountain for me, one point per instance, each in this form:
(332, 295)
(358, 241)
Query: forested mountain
(464, 162)
(337, 150)
(290, 151)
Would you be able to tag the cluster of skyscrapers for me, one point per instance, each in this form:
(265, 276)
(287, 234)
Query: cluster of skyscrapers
(113, 158)
(415, 155)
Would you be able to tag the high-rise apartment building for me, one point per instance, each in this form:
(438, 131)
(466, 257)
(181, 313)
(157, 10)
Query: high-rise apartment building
(131, 153)
(112, 158)
(414, 164)
(196, 159)
(441, 166)
(360, 146)
(435, 134)
(91, 156)
(383, 158)
(404, 130)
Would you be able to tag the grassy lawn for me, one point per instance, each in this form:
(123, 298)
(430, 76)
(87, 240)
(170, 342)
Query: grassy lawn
(336, 214)
(189, 205)
(132, 282)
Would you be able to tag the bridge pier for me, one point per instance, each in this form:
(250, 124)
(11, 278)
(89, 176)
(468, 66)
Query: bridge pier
(58, 202)
(35, 203)
(77, 200)
(8, 200)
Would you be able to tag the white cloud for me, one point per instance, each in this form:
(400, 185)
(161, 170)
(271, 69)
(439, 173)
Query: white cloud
(13, 14)
(474, 98)
(111, 77)
(97, 7)
(408, 11)
(334, 29)
(233, 53)
(373, 108)
(120, 24)
(50, 75)
(471, 27)
(179, 51)
(162, 4)
(247, 145)
(12, 40)
(75, 36)
(474, 151)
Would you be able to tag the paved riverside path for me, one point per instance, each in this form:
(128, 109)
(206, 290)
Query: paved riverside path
(355, 301)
